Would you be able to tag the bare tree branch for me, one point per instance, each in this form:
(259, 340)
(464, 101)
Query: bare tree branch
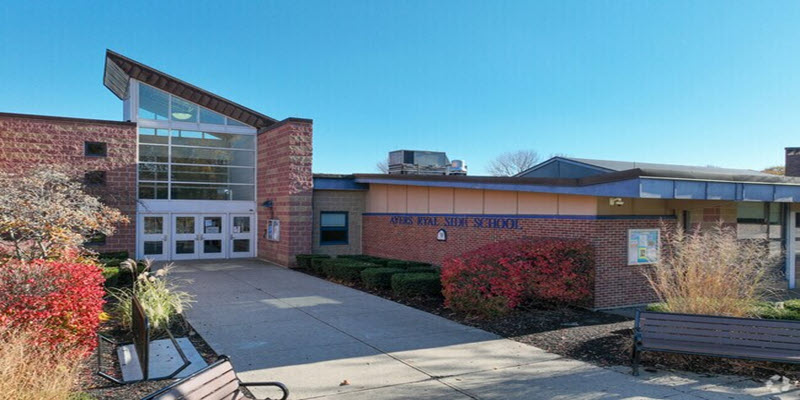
(512, 163)
(383, 166)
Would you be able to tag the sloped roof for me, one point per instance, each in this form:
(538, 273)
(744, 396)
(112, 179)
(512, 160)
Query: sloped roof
(657, 169)
(119, 69)
(626, 165)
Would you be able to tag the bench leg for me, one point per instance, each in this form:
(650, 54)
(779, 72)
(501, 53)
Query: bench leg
(636, 358)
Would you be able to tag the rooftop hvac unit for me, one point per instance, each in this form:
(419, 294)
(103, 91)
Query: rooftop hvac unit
(415, 162)
(458, 167)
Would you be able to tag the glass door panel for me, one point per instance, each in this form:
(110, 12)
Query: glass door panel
(154, 237)
(241, 236)
(212, 236)
(185, 237)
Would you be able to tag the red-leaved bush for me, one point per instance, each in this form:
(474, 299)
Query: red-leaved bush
(496, 278)
(60, 301)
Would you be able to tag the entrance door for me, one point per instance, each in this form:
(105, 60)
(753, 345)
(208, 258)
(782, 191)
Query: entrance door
(185, 236)
(241, 237)
(212, 243)
(154, 237)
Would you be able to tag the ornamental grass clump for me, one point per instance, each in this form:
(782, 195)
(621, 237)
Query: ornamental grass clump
(161, 298)
(33, 372)
(712, 272)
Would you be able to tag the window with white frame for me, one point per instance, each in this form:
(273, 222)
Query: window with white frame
(187, 152)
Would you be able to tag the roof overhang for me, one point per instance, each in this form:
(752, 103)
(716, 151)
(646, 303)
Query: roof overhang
(120, 69)
(632, 184)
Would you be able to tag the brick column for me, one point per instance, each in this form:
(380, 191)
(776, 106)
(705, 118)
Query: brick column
(792, 161)
(284, 177)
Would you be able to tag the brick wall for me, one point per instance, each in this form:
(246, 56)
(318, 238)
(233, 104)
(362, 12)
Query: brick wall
(284, 177)
(616, 283)
(28, 141)
(351, 201)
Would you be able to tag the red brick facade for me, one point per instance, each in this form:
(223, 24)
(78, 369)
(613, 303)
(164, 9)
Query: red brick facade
(28, 141)
(285, 179)
(616, 283)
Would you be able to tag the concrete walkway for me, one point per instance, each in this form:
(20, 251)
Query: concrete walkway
(279, 324)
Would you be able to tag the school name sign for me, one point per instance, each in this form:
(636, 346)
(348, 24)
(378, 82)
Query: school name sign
(457, 222)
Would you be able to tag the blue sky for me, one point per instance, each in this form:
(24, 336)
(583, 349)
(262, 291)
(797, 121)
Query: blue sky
(676, 82)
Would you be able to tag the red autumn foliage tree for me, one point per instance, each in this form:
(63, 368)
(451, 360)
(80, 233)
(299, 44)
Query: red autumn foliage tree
(496, 278)
(60, 301)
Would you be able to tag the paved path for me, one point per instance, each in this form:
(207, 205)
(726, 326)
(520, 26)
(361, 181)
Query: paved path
(279, 324)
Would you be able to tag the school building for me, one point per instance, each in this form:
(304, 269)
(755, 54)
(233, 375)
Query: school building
(201, 177)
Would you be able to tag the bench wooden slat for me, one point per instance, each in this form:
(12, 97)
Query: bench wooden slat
(701, 341)
(756, 339)
(765, 339)
(741, 352)
(727, 321)
(788, 333)
(216, 383)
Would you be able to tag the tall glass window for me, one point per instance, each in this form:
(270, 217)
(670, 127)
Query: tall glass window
(181, 164)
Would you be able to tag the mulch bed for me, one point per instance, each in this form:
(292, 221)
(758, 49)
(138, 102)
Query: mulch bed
(102, 389)
(600, 338)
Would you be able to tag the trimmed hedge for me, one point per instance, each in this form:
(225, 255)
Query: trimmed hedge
(379, 278)
(406, 264)
(317, 265)
(111, 275)
(345, 269)
(370, 259)
(114, 254)
(304, 260)
(430, 269)
(120, 277)
(416, 284)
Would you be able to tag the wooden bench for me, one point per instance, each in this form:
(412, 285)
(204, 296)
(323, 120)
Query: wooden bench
(742, 338)
(140, 330)
(217, 381)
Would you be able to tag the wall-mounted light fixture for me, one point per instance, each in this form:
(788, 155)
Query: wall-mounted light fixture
(267, 204)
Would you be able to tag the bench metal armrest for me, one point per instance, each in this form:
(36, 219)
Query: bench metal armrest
(279, 385)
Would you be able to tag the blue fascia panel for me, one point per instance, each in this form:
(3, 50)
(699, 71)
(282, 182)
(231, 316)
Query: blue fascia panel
(753, 192)
(338, 184)
(646, 188)
(787, 194)
(720, 191)
(690, 190)
(628, 188)
(657, 189)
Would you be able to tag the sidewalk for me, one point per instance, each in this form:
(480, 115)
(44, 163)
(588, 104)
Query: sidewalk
(313, 335)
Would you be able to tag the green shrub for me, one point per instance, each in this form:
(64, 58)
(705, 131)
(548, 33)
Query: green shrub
(119, 255)
(429, 269)
(779, 310)
(110, 262)
(317, 265)
(406, 264)
(370, 259)
(416, 284)
(792, 304)
(304, 260)
(657, 307)
(112, 276)
(345, 269)
(379, 278)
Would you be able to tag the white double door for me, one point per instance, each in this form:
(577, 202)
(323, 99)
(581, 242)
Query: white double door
(178, 236)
